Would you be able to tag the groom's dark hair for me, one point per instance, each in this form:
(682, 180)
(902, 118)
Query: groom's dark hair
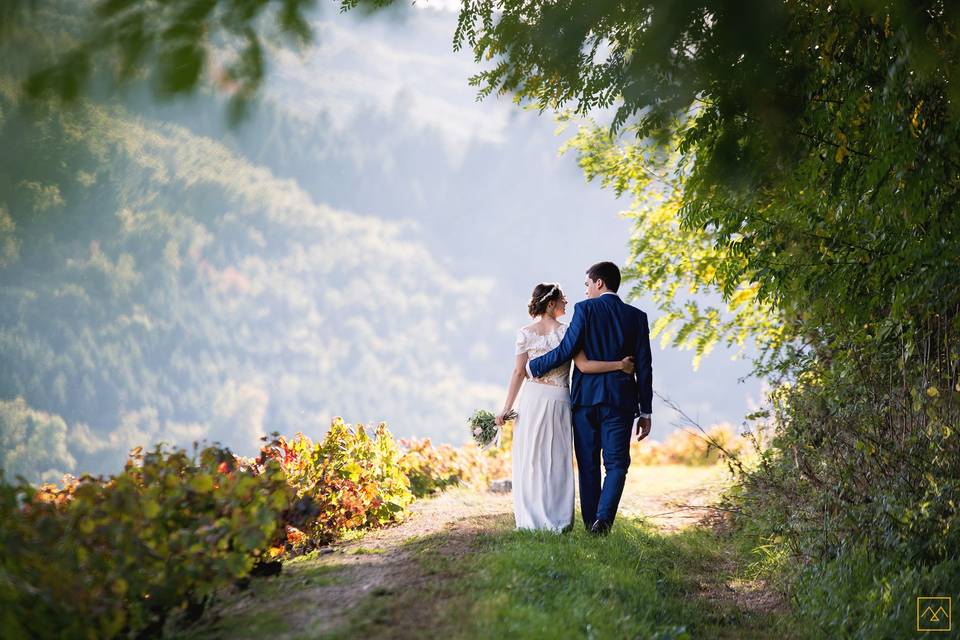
(606, 271)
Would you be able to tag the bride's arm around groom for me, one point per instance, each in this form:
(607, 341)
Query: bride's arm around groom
(573, 341)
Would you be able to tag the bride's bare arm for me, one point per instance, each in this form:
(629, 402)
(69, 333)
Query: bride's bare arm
(516, 379)
(600, 366)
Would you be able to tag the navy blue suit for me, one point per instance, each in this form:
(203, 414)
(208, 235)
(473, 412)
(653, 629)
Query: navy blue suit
(604, 404)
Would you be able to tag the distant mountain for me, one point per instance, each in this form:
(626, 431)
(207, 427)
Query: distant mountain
(167, 288)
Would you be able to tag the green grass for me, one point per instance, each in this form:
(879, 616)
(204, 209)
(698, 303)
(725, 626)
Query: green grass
(359, 551)
(635, 583)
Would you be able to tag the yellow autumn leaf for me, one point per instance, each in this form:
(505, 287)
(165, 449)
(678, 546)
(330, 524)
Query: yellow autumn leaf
(743, 295)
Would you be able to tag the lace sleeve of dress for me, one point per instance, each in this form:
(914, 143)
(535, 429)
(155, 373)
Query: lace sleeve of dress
(521, 343)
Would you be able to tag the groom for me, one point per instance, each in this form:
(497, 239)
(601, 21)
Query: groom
(604, 404)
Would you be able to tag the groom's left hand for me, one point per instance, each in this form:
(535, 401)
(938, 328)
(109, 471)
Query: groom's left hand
(642, 428)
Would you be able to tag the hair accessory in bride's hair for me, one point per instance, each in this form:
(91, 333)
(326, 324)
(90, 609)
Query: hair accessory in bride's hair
(549, 293)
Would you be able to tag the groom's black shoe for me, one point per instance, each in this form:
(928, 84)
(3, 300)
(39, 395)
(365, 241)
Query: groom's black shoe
(600, 527)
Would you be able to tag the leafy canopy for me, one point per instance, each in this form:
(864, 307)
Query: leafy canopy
(178, 44)
(817, 141)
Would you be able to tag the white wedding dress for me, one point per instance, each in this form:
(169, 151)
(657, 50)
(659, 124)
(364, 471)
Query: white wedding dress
(543, 487)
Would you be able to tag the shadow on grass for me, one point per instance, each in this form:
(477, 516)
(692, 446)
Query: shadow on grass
(263, 609)
(488, 580)
(429, 589)
(480, 578)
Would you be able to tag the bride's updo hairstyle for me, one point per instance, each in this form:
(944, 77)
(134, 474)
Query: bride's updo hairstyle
(542, 295)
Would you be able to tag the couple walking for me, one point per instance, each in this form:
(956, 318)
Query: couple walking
(610, 395)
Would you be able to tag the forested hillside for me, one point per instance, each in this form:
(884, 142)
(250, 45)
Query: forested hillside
(155, 280)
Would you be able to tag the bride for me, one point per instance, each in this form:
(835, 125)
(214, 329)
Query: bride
(543, 493)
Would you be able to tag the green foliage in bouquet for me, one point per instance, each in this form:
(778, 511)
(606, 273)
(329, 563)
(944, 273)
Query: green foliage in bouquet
(106, 557)
(483, 426)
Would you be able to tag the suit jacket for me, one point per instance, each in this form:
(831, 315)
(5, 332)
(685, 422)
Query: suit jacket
(606, 328)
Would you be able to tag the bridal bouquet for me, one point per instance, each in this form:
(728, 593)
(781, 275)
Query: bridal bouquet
(484, 429)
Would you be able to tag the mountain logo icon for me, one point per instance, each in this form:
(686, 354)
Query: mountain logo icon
(933, 613)
(933, 616)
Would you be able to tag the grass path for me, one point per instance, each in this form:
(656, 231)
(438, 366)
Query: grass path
(456, 568)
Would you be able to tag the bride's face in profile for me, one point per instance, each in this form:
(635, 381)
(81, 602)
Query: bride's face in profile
(557, 308)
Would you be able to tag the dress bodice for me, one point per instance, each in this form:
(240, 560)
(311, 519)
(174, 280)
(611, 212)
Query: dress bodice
(536, 345)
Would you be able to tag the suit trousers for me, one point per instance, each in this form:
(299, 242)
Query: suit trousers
(602, 429)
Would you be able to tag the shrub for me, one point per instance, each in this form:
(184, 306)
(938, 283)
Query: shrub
(687, 447)
(100, 557)
(429, 468)
(859, 594)
(355, 481)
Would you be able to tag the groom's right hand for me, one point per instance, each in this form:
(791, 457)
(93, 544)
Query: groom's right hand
(642, 428)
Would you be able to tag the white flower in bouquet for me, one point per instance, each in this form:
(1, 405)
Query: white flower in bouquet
(484, 427)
